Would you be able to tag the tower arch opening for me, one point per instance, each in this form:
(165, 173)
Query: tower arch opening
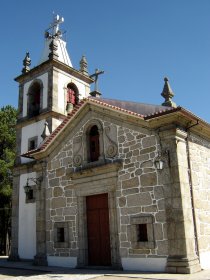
(72, 94)
(34, 99)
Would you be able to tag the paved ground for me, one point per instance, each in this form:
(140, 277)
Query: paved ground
(26, 271)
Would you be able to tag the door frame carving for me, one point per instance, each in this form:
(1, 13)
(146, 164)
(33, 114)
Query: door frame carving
(102, 180)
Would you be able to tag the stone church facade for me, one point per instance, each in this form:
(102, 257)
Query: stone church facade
(102, 182)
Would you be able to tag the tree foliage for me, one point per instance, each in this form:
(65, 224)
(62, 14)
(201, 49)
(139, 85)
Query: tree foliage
(8, 116)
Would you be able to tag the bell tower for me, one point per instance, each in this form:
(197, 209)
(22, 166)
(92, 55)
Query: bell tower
(48, 91)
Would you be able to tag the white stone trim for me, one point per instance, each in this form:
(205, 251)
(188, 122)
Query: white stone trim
(204, 260)
(69, 262)
(144, 264)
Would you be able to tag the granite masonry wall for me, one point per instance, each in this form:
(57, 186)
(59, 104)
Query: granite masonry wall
(140, 198)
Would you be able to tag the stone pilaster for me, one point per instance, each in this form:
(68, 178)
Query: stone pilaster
(15, 217)
(182, 256)
(53, 91)
(18, 145)
(20, 101)
(41, 257)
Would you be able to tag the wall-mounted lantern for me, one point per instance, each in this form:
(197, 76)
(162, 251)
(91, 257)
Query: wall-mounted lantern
(37, 182)
(29, 190)
(27, 187)
(161, 159)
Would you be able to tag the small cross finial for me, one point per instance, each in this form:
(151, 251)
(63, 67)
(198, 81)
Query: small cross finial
(168, 94)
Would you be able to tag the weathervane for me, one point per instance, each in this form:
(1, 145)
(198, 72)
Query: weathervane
(54, 27)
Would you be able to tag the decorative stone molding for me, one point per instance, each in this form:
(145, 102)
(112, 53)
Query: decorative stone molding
(77, 151)
(85, 176)
(77, 160)
(93, 181)
(110, 145)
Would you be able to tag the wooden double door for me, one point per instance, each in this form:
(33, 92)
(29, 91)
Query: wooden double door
(98, 234)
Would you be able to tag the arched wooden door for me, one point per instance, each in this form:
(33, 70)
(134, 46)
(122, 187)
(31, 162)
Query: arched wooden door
(99, 252)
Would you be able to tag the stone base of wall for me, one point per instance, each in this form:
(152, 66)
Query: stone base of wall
(70, 262)
(41, 260)
(14, 255)
(144, 264)
(183, 265)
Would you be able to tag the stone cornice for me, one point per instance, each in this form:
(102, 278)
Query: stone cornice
(43, 67)
(23, 168)
(183, 119)
(174, 132)
(91, 170)
(22, 122)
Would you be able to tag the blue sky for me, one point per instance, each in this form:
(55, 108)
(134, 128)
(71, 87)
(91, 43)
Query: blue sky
(136, 42)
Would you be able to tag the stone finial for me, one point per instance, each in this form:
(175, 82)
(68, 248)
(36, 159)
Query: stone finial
(26, 63)
(53, 46)
(83, 65)
(168, 94)
(46, 131)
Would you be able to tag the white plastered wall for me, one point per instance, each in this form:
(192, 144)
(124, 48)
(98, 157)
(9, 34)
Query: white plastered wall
(44, 79)
(61, 51)
(56, 123)
(27, 222)
(28, 132)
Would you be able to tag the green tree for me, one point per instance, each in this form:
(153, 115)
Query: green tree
(8, 116)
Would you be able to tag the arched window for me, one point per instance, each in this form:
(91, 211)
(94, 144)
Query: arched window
(91, 147)
(94, 146)
(72, 94)
(34, 99)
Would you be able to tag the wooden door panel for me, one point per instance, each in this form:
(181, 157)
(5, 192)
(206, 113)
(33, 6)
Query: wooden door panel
(99, 252)
(93, 236)
(105, 241)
